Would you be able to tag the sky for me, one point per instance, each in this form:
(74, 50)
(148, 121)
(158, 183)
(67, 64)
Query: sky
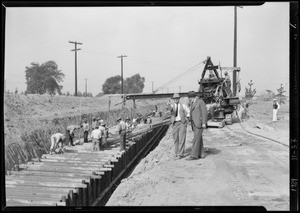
(161, 43)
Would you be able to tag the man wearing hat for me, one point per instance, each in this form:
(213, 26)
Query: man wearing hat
(180, 114)
(86, 128)
(121, 129)
(276, 106)
(198, 119)
(227, 84)
(57, 140)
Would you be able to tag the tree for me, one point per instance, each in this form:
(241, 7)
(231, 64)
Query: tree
(249, 93)
(44, 78)
(112, 85)
(280, 94)
(134, 84)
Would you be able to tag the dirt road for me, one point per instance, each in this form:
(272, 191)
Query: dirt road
(238, 170)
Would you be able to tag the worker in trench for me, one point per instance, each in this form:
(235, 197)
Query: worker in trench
(86, 128)
(103, 135)
(94, 123)
(121, 129)
(180, 114)
(96, 136)
(70, 133)
(57, 141)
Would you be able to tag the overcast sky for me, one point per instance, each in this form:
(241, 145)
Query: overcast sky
(160, 43)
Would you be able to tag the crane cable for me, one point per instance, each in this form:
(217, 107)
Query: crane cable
(180, 76)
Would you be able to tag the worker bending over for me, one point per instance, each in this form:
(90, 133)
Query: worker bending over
(57, 140)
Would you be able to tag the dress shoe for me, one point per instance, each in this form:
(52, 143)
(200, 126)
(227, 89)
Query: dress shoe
(177, 158)
(191, 158)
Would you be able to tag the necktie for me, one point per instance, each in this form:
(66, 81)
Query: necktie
(176, 110)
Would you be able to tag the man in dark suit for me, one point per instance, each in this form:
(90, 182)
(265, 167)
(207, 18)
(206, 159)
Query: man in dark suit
(198, 117)
(180, 114)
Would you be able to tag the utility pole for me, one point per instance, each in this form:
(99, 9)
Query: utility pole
(235, 50)
(85, 87)
(75, 42)
(122, 56)
(234, 53)
(152, 87)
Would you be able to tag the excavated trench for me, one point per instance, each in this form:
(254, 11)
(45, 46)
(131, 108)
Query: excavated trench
(94, 191)
(37, 142)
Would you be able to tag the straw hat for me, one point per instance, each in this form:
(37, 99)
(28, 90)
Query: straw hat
(176, 96)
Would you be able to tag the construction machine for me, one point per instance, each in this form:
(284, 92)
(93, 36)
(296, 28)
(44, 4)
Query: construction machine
(213, 87)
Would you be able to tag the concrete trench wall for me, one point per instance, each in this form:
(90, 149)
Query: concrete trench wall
(37, 142)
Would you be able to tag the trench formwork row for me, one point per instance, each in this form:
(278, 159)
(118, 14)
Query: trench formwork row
(79, 177)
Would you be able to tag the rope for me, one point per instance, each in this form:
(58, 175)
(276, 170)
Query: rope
(258, 134)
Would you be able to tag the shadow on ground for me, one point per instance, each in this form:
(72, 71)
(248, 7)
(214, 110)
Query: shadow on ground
(207, 151)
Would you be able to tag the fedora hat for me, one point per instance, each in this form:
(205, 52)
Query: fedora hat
(175, 96)
(191, 94)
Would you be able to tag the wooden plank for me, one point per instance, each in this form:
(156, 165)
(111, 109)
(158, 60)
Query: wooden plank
(61, 168)
(31, 203)
(38, 173)
(88, 154)
(83, 172)
(82, 158)
(70, 164)
(37, 190)
(14, 203)
(75, 161)
(30, 183)
(31, 197)
(43, 179)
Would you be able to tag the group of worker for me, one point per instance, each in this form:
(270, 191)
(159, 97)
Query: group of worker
(99, 135)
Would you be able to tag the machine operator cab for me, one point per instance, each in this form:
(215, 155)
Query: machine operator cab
(217, 94)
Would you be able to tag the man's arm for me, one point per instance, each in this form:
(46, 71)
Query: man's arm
(203, 112)
(187, 110)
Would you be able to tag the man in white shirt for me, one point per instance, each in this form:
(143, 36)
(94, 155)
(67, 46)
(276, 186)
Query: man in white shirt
(57, 139)
(96, 138)
(276, 106)
(180, 114)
